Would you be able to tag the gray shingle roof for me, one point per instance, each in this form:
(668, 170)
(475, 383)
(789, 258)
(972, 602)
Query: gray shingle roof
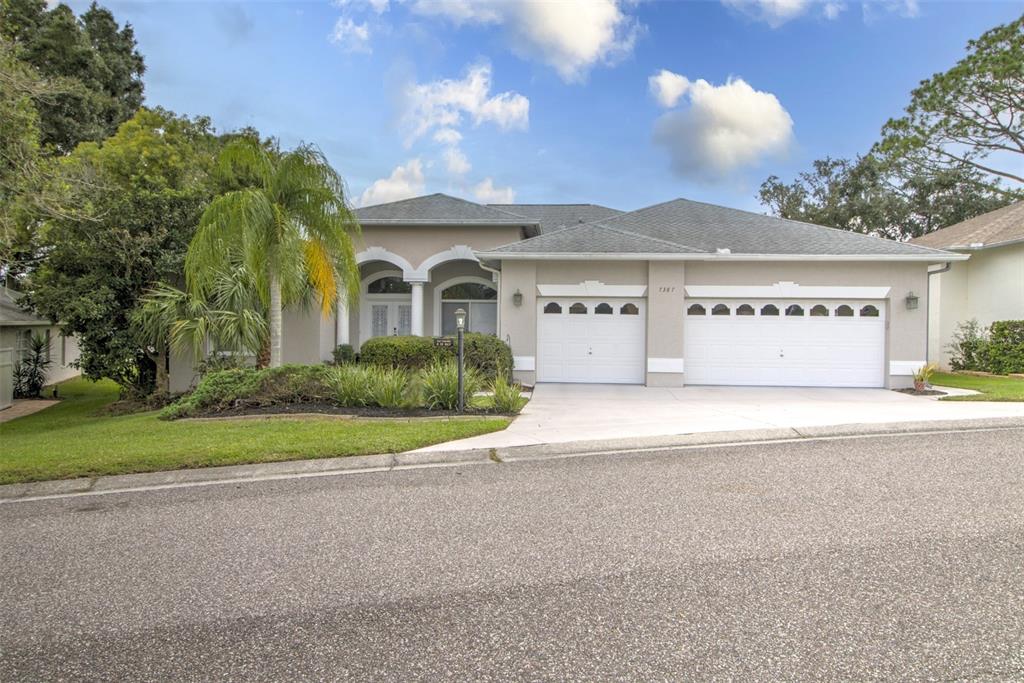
(554, 216)
(695, 227)
(438, 209)
(13, 314)
(593, 238)
(995, 227)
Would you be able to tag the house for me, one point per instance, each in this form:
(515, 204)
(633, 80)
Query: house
(988, 287)
(17, 326)
(676, 293)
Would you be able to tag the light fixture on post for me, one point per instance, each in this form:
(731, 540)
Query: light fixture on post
(460, 323)
(517, 299)
(911, 301)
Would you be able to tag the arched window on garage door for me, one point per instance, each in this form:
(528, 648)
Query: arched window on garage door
(744, 309)
(720, 309)
(769, 309)
(629, 309)
(869, 311)
(844, 311)
(819, 311)
(552, 307)
(577, 309)
(603, 309)
(696, 309)
(794, 310)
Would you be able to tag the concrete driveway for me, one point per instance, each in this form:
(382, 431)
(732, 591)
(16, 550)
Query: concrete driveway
(560, 413)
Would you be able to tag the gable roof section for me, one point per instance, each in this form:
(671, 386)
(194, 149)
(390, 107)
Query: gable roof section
(995, 228)
(696, 228)
(555, 216)
(437, 209)
(13, 314)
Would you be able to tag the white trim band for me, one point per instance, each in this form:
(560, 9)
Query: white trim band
(785, 290)
(904, 368)
(524, 363)
(593, 288)
(664, 365)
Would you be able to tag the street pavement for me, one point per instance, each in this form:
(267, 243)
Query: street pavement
(893, 557)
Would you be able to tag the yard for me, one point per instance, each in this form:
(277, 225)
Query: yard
(992, 387)
(70, 440)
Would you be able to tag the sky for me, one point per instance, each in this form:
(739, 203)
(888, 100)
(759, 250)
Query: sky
(623, 103)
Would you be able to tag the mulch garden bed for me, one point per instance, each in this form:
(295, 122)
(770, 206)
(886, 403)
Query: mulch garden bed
(927, 392)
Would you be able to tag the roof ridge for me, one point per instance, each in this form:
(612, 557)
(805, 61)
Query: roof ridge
(622, 231)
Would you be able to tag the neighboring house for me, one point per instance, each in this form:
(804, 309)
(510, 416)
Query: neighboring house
(677, 293)
(17, 326)
(988, 287)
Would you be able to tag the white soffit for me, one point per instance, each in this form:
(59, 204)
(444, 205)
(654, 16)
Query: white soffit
(785, 290)
(593, 288)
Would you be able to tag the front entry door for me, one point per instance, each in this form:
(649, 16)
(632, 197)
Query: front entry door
(389, 318)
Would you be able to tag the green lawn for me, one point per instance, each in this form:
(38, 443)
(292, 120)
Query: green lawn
(991, 388)
(69, 440)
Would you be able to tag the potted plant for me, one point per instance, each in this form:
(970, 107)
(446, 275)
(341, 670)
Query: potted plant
(923, 376)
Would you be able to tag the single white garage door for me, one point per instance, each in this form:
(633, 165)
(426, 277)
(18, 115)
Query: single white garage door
(591, 340)
(785, 343)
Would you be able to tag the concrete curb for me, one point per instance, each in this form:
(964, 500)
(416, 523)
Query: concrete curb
(386, 462)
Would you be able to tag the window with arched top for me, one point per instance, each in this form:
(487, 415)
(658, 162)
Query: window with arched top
(844, 311)
(552, 307)
(720, 309)
(577, 309)
(603, 309)
(469, 291)
(389, 284)
(744, 309)
(769, 309)
(696, 309)
(629, 309)
(794, 310)
(819, 311)
(868, 311)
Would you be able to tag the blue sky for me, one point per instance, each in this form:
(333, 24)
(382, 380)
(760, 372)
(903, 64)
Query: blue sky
(553, 101)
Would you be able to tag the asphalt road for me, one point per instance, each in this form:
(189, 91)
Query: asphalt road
(894, 557)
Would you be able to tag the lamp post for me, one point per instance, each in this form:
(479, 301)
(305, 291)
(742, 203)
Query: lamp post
(460, 323)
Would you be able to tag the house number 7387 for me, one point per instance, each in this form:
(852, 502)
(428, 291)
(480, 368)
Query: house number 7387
(666, 289)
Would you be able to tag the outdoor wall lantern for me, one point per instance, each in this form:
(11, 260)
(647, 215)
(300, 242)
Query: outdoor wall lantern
(911, 301)
(517, 298)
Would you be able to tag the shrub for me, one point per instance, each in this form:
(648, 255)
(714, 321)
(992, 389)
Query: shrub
(507, 396)
(389, 387)
(487, 354)
(969, 348)
(1005, 350)
(441, 384)
(343, 354)
(352, 386)
(294, 384)
(216, 391)
(411, 353)
(29, 375)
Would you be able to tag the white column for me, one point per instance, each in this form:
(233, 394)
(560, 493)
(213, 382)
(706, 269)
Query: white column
(341, 326)
(417, 308)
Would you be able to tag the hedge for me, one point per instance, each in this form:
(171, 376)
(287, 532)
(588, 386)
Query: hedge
(484, 352)
(1005, 352)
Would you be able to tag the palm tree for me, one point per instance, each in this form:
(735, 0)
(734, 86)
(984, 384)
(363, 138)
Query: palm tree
(292, 229)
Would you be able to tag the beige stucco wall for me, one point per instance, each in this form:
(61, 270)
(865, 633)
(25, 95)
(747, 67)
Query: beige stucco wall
(418, 243)
(987, 288)
(63, 350)
(906, 333)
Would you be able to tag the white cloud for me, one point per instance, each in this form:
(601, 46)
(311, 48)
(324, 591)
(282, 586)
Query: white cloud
(723, 128)
(442, 104)
(486, 193)
(404, 182)
(352, 37)
(667, 87)
(455, 161)
(569, 35)
(832, 9)
(448, 136)
(772, 12)
(908, 9)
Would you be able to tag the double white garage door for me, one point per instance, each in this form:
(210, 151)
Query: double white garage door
(757, 342)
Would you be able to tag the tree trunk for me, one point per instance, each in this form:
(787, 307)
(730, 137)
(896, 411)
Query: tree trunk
(275, 320)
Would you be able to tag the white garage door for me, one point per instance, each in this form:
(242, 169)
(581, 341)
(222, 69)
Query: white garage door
(785, 343)
(591, 340)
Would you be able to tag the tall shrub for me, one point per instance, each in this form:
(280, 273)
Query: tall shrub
(1005, 352)
(30, 371)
